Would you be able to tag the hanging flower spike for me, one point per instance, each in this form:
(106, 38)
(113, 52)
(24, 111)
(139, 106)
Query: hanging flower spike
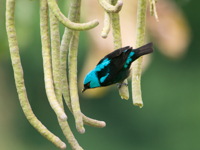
(123, 90)
(107, 23)
(66, 22)
(19, 79)
(55, 45)
(137, 65)
(153, 9)
(63, 57)
(47, 61)
(110, 8)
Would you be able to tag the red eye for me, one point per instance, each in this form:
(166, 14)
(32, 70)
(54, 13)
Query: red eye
(88, 84)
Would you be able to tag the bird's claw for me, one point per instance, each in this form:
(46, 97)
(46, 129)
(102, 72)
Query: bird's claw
(119, 85)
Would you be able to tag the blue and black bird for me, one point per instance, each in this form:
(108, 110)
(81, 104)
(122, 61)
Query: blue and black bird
(114, 67)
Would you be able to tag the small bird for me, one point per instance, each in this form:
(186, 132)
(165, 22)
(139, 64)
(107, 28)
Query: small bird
(114, 67)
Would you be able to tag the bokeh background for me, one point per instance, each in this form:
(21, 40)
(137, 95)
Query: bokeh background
(170, 82)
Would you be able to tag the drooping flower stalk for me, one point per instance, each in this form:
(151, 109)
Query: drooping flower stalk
(123, 90)
(153, 10)
(47, 61)
(137, 65)
(74, 4)
(55, 53)
(19, 79)
(72, 61)
(107, 23)
(66, 22)
(110, 8)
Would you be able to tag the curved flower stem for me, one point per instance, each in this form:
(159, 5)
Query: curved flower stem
(137, 65)
(72, 61)
(55, 54)
(73, 49)
(107, 23)
(63, 57)
(55, 45)
(66, 22)
(69, 135)
(153, 9)
(92, 122)
(47, 61)
(123, 90)
(63, 65)
(19, 79)
(67, 36)
(110, 8)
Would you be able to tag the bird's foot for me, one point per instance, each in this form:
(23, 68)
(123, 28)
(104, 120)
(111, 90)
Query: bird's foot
(119, 85)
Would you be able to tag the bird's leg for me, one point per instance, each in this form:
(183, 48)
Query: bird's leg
(120, 84)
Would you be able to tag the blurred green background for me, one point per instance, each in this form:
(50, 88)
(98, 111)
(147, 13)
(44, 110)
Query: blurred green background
(169, 119)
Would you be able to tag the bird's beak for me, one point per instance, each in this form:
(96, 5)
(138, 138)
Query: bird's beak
(83, 89)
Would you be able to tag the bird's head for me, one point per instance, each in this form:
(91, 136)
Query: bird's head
(86, 86)
(91, 81)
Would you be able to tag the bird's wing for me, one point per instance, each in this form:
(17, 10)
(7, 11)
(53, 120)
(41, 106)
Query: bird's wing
(117, 61)
(114, 54)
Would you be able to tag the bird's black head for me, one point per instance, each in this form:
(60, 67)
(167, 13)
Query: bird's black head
(86, 86)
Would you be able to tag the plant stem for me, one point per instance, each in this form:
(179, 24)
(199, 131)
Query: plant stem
(137, 65)
(73, 50)
(67, 36)
(66, 22)
(63, 56)
(107, 23)
(110, 8)
(47, 61)
(55, 54)
(55, 45)
(19, 79)
(72, 61)
(123, 90)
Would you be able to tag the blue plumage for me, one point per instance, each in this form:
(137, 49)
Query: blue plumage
(102, 79)
(129, 59)
(114, 67)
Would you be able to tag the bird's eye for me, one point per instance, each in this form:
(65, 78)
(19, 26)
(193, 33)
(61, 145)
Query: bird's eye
(88, 84)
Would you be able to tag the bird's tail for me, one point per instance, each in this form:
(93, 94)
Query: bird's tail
(146, 49)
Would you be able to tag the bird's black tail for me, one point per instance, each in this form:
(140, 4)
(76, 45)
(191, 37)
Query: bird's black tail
(146, 49)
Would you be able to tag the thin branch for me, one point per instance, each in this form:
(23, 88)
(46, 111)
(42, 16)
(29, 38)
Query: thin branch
(63, 56)
(66, 22)
(55, 45)
(63, 65)
(110, 8)
(153, 9)
(72, 61)
(73, 50)
(92, 122)
(67, 36)
(137, 65)
(107, 23)
(155, 12)
(69, 135)
(47, 61)
(19, 79)
(55, 54)
(123, 90)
